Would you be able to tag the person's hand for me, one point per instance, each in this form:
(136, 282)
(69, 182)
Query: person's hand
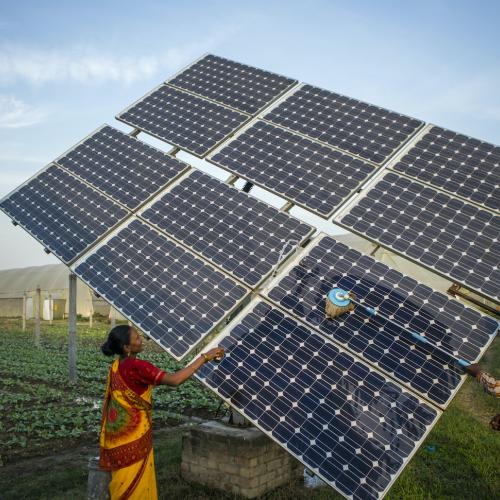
(473, 370)
(216, 353)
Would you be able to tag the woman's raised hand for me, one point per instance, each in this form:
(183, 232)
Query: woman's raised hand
(216, 353)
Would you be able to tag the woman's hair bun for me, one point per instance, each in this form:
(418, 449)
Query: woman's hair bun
(118, 337)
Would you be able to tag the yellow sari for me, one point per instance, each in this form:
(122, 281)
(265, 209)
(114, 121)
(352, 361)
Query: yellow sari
(126, 440)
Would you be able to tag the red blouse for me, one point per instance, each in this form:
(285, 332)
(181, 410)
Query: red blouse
(139, 374)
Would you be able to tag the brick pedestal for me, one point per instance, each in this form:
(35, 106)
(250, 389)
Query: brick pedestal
(237, 460)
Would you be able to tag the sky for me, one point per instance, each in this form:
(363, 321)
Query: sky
(68, 67)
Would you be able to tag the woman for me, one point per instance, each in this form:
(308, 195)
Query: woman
(126, 446)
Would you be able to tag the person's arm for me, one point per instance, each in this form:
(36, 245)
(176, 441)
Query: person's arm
(489, 383)
(178, 377)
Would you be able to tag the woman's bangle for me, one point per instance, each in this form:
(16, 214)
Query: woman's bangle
(205, 357)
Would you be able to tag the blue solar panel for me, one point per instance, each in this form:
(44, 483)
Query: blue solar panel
(240, 234)
(443, 233)
(310, 174)
(368, 131)
(121, 166)
(347, 422)
(172, 295)
(462, 331)
(239, 86)
(63, 213)
(182, 119)
(457, 164)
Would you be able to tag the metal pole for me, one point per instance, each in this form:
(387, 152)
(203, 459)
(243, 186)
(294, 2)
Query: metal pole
(72, 328)
(113, 317)
(37, 315)
(24, 311)
(51, 309)
(91, 311)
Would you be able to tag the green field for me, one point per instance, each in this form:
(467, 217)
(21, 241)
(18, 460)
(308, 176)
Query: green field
(48, 424)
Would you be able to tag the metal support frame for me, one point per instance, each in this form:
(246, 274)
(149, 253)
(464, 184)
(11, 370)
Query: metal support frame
(72, 328)
(51, 309)
(247, 187)
(455, 290)
(374, 251)
(91, 308)
(37, 305)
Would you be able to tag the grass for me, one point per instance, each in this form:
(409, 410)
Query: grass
(459, 459)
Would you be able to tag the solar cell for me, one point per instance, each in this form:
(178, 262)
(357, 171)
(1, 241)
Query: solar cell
(456, 163)
(172, 295)
(239, 86)
(126, 169)
(443, 233)
(233, 230)
(348, 423)
(368, 131)
(466, 333)
(184, 120)
(63, 213)
(309, 174)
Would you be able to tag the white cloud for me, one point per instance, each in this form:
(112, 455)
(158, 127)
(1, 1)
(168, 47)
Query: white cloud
(91, 65)
(16, 114)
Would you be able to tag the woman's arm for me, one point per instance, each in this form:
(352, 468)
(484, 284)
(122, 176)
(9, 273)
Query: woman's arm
(177, 378)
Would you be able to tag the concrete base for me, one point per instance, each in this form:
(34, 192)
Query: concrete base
(243, 461)
(98, 481)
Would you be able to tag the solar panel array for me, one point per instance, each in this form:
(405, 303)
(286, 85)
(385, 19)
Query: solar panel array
(183, 119)
(457, 164)
(362, 129)
(344, 420)
(452, 237)
(446, 323)
(233, 230)
(239, 86)
(310, 174)
(171, 294)
(124, 168)
(348, 417)
(63, 213)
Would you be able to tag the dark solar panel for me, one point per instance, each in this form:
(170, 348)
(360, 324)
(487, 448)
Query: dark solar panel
(121, 166)
(443, 233)
(182, 119)
(345, 421)
(461, 331)
(368, 131)
(62, 212)
(457, 164)
(309, 174)
(233, 230)
(171, 294)
(242, 87)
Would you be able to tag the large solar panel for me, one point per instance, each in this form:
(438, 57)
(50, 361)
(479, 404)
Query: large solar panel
(126, 169)
(233, 230)
(172, 295)
(368, 131)
(456, 163)
(182, 119)
(452, 237)
(63, 213)
(465, 333)
(239, 86)
(310, 174)
(347, 422)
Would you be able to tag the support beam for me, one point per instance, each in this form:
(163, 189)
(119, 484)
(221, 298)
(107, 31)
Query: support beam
(72, 328)
(37, 300)
(112, 313)
(24, 312)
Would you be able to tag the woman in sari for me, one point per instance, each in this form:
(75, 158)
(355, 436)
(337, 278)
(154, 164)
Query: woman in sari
(126, 446)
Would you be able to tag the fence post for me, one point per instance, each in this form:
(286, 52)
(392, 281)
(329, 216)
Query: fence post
(91, 312)
(24, 312)
(72, 328)
(37, 305)
(51, 309)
